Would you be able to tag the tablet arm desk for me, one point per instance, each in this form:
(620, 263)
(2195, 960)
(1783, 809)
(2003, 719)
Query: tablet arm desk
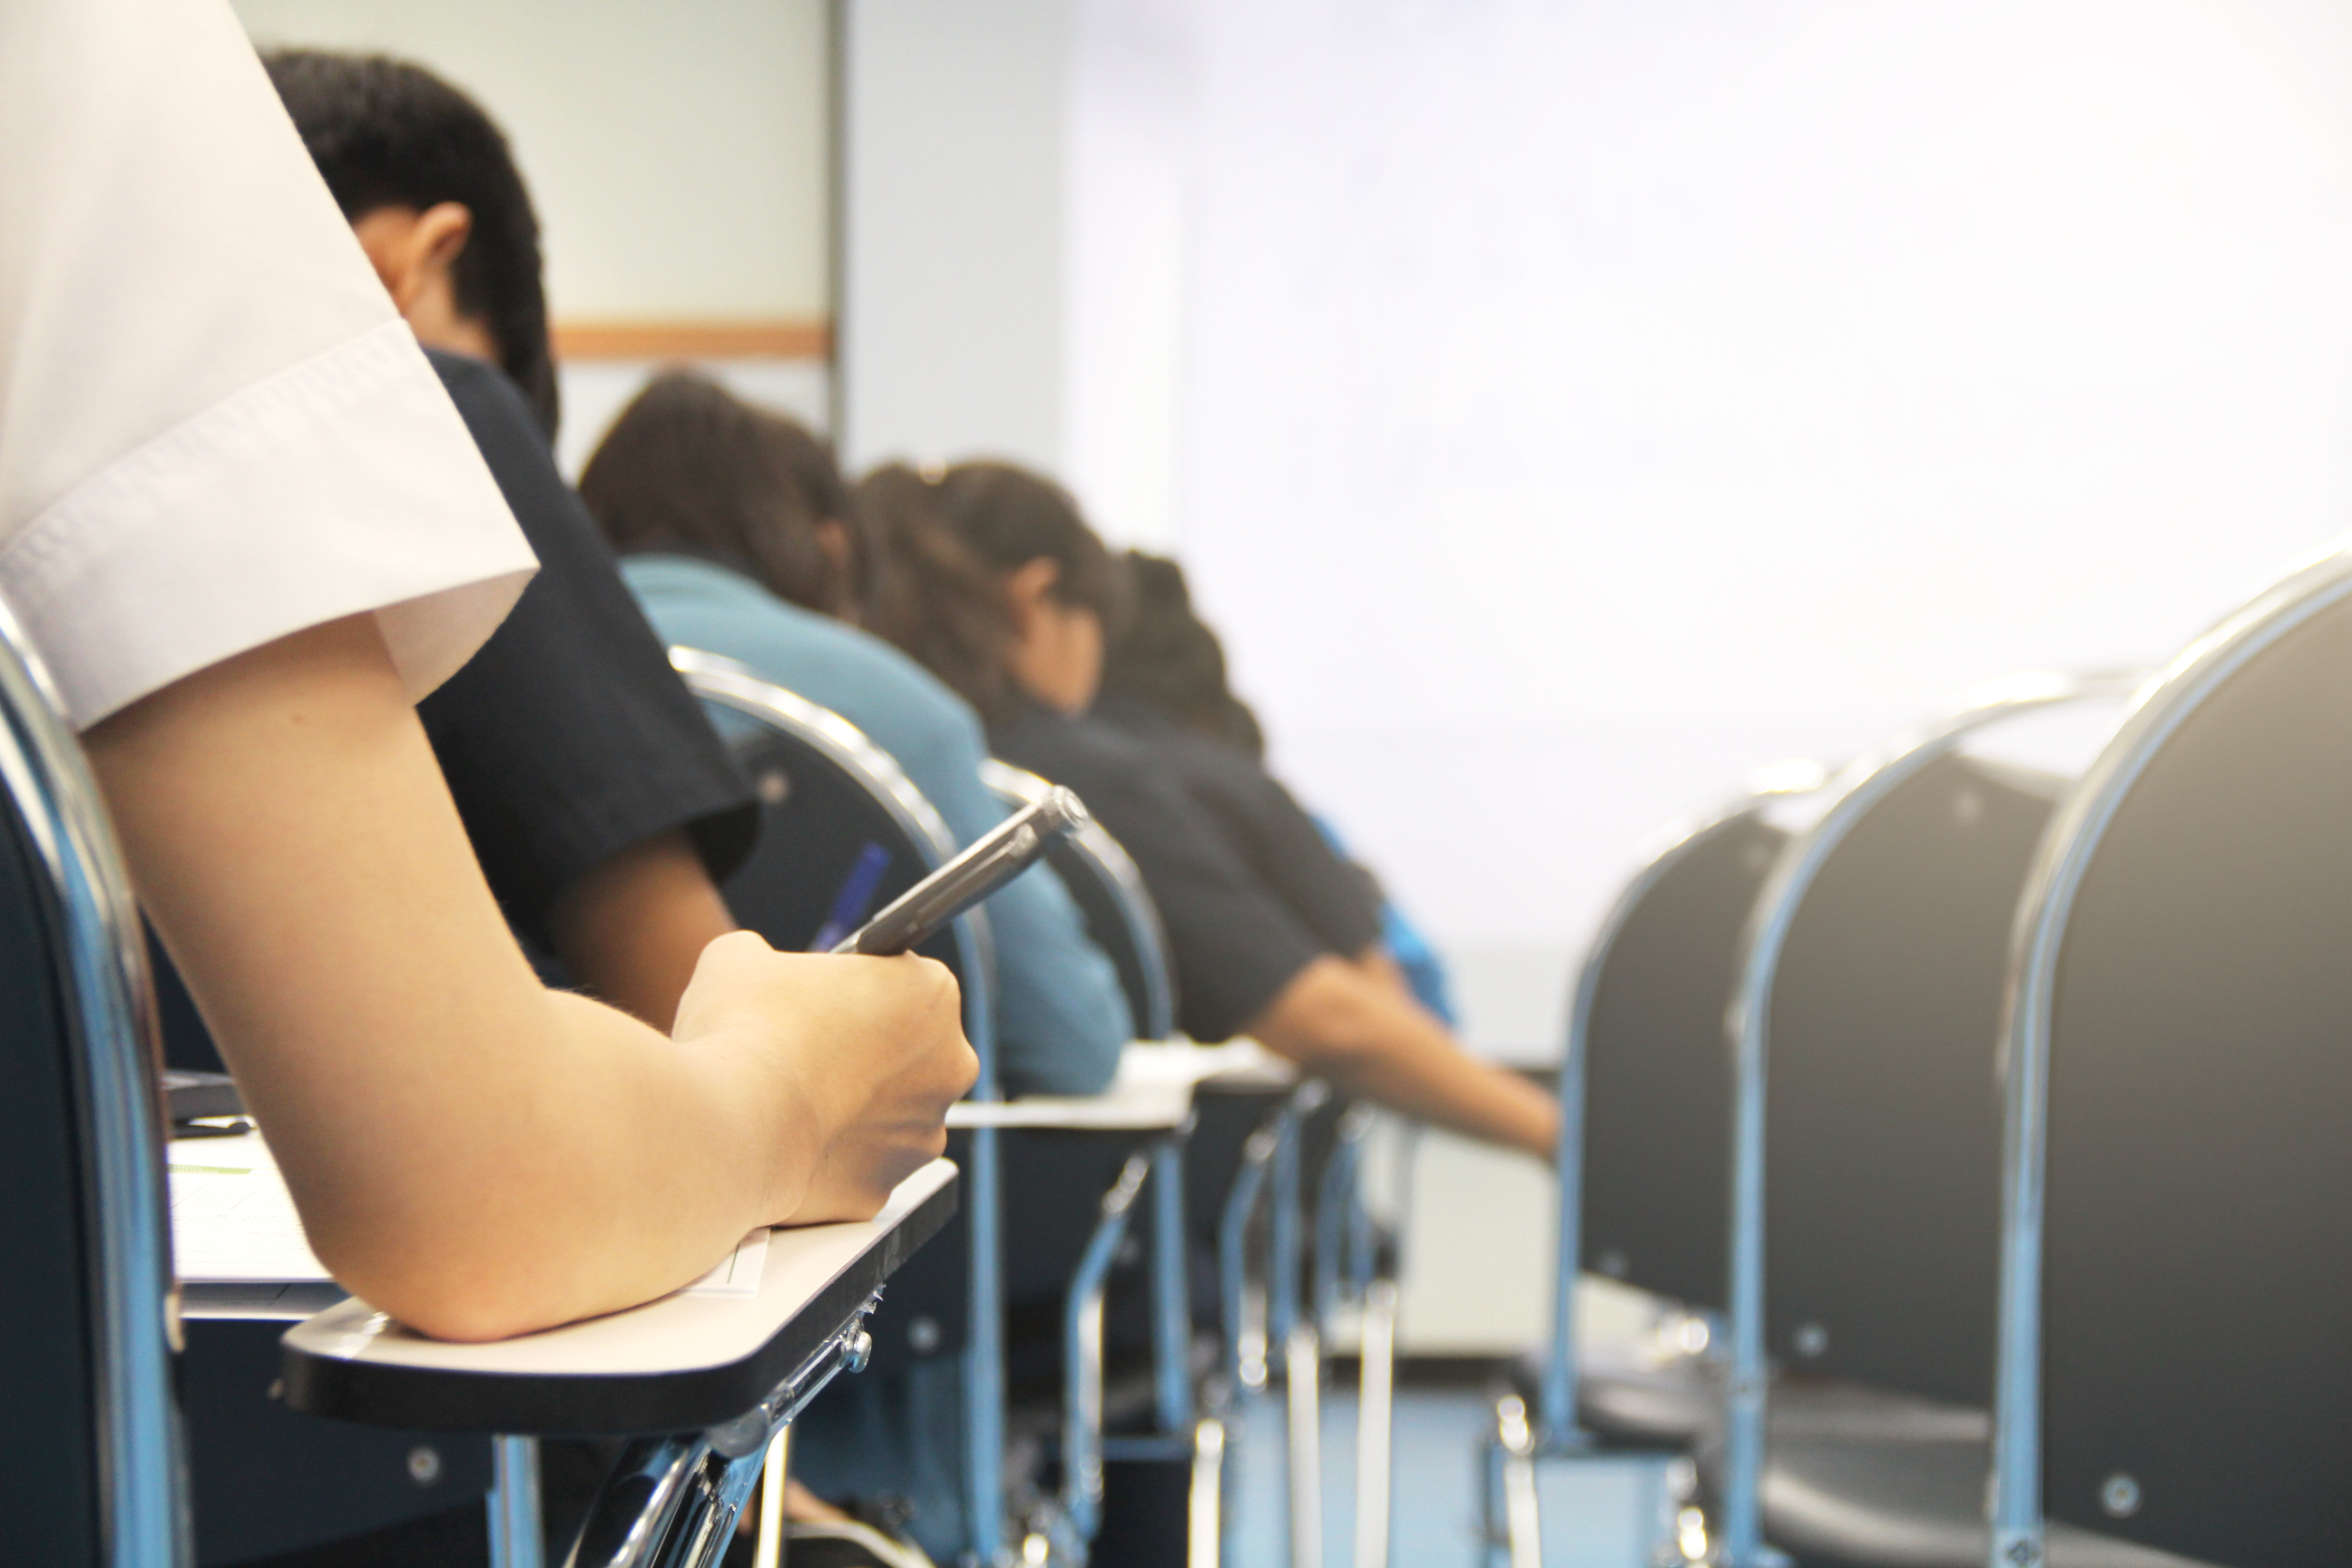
(700, 1384)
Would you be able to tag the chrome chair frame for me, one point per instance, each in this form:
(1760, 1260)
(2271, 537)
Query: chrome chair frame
(735, 686)
(1555, 1431)
(106, 1002)
(1852, 795)
(1018, 788)
(1510, 1505)
(2166, 700)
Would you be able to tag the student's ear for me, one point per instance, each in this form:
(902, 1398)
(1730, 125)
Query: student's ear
(1026, 586)
(442, 231)
(413, 251)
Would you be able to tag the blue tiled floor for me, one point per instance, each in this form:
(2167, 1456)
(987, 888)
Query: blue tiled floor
(1597, 1514)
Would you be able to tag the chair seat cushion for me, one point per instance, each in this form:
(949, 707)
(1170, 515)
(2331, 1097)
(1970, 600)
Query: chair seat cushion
(1917, 1502)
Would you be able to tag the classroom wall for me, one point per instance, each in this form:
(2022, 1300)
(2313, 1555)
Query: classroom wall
(952, 202)
(1577, 407)
(678, 149)
(680, 155)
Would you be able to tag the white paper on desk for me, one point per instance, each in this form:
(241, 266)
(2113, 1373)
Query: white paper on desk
(738, 1273)
(232, 1218)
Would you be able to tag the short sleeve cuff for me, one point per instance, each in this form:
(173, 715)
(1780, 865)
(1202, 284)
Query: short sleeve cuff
(343, 484)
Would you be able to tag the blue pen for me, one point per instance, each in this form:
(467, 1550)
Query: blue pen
(856, 895)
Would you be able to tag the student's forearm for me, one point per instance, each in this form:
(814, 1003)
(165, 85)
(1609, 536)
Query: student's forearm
(591, 1165)
(469, 1152)
(1352, 1031)
(630, 930)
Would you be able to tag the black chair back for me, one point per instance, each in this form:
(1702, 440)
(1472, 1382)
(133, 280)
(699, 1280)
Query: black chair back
(1883, 1163)
(90, 1448)
(2196, 1238)
(1119, 914)
(1657, 1078)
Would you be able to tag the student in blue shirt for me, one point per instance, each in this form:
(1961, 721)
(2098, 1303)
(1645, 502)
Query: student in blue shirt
(734, 528)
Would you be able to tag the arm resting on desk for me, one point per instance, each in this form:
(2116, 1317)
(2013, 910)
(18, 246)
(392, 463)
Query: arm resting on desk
(1363, 1038)
(471, 1152)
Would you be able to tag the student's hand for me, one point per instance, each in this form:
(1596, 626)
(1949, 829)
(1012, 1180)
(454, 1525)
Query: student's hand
(866, 1053)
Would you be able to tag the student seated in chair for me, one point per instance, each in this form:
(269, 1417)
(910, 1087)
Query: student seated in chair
(244, 532)
(1164, 684)
(991, 576)
(737, 536)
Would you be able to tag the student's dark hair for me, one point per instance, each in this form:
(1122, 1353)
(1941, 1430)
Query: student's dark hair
(929, 593)
(1167, 658)
(386, 132)
(689, 466)
(1009, 517)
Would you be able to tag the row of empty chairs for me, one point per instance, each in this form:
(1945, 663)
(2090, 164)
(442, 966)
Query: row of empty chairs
(1976, 1134)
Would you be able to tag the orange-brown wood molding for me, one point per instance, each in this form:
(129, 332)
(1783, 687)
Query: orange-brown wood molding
(789, 338)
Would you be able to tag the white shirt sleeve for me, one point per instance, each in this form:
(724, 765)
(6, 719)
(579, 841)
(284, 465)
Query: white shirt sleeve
(215, 429)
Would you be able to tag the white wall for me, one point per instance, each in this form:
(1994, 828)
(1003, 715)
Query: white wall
(951, 313)
(678, 149)
(1579, 406)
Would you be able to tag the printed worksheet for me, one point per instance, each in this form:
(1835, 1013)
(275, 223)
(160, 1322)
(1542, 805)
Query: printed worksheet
(232, 1218)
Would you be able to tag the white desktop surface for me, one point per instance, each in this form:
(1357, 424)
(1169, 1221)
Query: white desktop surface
(1153, 1090)
(676, 1333)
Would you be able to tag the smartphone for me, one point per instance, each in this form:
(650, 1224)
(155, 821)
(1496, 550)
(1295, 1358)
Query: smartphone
(1017, 844)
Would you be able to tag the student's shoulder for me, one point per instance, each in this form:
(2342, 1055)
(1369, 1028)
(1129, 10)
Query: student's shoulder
(486, 399)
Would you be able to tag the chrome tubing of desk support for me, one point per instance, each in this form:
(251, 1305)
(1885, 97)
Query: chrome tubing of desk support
(1375, 1419)
(1082, 1360)
(655, 1510)
(1339, 1243)
(1284, 1251)
(1244, 1303)
(632, 1514)
(1555, 1427)
(1855, 791)
(1204, 1522)
(106, 1003)
(1171, 1307)
(516, 1541)
(2068, 846)
(1302, 1387)
(1522, 1519)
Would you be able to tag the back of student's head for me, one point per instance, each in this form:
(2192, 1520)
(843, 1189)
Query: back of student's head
(1167, 658)
(929, 593)
(690, 465)
(388, 133)
(1008, 517)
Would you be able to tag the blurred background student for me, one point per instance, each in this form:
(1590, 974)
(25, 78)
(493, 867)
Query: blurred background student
(737, 535)
(990, 577)
(1165, 683)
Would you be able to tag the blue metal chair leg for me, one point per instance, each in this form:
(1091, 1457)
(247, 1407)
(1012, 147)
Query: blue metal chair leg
(516, 1538)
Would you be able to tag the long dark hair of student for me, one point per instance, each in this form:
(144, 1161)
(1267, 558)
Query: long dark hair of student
(1167, 658)
(385, 132)
(929, 593)
(1009, 517)
(689, 466)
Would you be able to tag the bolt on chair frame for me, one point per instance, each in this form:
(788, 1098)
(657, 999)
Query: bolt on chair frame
(734, 686)
(1852, 795)
(2073, 840)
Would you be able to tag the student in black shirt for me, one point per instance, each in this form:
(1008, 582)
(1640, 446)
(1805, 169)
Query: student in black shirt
(602, 806)
(1164, 684)
(990, 577)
